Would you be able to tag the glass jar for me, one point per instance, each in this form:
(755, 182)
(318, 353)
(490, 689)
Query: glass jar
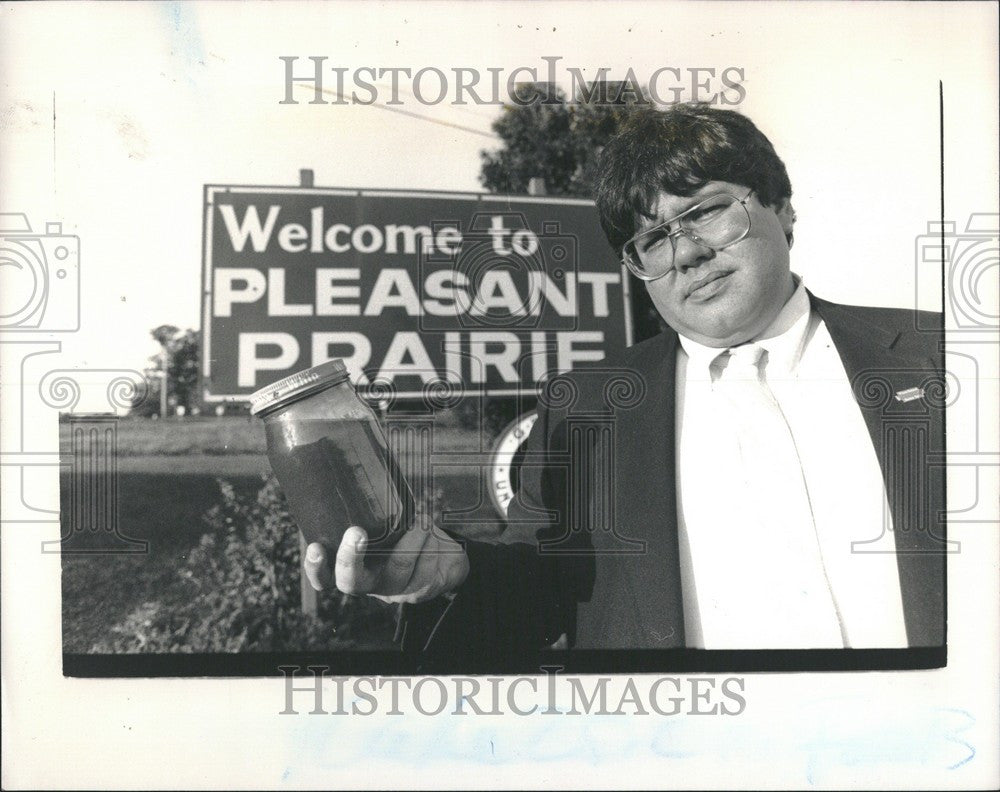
(330, 456)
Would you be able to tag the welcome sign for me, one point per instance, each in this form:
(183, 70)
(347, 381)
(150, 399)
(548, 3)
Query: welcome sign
(490, 294)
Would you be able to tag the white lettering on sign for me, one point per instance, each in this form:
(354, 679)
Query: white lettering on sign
(249, 227)
(469, 357)
(410, 235)
(495, 302)
(276, 305)
(367, 239)
(326, 292)
(251, 361)
(393, 289)
(600, 281)
(332, 237)
(503, 359)
(353, 348)
(567, 354)
(449, 240)
(291, 238)
(542, 286)
(337, 237)
(447, 290)
(446, 293)
(236, 285)
(497, 290)
(407, 344)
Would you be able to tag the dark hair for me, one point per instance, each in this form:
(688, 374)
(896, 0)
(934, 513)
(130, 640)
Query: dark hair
(678, 151)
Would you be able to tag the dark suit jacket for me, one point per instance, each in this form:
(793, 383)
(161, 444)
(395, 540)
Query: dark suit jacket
(591, 547)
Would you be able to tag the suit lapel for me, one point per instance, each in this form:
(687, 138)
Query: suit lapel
(902, 433)
(646, 501)
(872, 367)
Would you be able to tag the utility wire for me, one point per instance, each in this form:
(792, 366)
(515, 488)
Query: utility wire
(383, 106)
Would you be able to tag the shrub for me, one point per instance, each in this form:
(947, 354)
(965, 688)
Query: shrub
(240, 592)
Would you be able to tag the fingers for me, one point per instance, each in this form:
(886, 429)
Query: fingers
(351, 575)
(441, 566)
(419, 567)
(398, 566)
(316, 568)
(457, 566)
(433, 572)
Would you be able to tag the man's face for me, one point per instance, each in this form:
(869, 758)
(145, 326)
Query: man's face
(721, 298)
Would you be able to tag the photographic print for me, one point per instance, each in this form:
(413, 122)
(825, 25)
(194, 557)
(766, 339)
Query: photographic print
(396, 362)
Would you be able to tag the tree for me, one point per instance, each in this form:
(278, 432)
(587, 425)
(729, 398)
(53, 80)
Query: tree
(557, 140)
(538, 141)
(561, 142)
(183, 352)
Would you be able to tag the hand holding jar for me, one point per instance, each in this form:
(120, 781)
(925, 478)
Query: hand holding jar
(423, 564)
(347, 495)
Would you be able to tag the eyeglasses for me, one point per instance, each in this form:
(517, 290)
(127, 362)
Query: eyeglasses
(717, 222)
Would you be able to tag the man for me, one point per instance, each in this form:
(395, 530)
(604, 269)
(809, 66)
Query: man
(762, 484)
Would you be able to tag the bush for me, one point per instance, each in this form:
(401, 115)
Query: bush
(240, 592)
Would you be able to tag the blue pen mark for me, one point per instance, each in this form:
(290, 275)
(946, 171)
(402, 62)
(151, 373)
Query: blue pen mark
(923, 738)
(968, 725)
(185, 38)
(830, 737)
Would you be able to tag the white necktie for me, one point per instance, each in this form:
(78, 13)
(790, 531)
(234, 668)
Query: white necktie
(783, 596)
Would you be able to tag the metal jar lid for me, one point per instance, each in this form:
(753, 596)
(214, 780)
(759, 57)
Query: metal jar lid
(297, 385)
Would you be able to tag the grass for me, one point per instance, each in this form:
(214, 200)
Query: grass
(166, 483)
(101, 590)
(225, 436)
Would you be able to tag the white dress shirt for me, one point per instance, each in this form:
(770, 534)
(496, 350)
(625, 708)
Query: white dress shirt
(737, 585)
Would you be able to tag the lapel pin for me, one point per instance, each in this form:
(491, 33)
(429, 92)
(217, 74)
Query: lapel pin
(910, 394)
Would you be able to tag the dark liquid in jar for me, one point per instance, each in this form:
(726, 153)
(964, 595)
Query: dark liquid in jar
(338, 473)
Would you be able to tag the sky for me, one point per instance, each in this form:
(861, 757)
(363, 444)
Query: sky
(152, 101)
